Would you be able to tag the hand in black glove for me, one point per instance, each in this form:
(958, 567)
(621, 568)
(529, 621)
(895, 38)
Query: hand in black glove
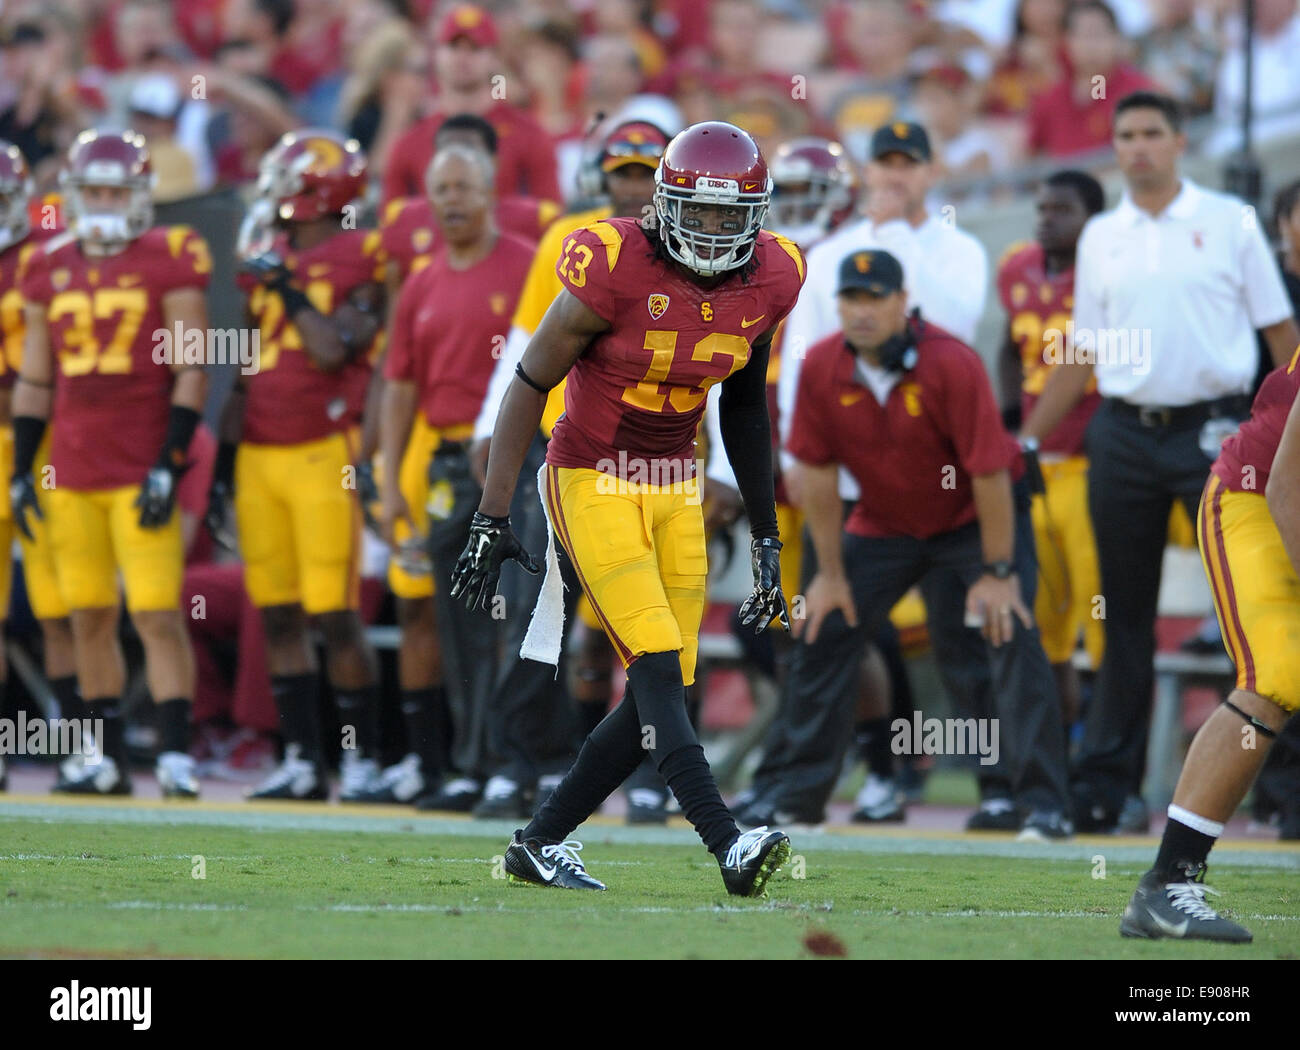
(491, 543)
(22, 494)
(267, 268)
(367, 493)
(214, 518)
(767, 603)
(157, 497)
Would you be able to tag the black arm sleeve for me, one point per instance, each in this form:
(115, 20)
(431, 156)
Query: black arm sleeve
(28, 432)
(747, 436)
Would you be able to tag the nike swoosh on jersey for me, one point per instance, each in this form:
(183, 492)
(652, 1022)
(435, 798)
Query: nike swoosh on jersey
(747, 324)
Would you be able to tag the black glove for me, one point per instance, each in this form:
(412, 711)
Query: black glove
(22, 494)
(491, 543)
(767, 603)
(157, 497)
(267, 268)
(367, 493)
(214, 518)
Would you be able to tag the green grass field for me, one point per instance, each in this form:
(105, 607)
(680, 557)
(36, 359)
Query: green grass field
(357, 887)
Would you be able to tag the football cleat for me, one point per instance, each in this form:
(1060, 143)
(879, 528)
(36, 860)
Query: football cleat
(295, 778)
(97, 778)
(1178, 909)
(753, 859)
(879, 801)
(530, 861)
(176, 775)
(401, 783)
(646, 806)
(455, 796)
(995, 814)
(503, 798)
(357, 777)
(1045, 825)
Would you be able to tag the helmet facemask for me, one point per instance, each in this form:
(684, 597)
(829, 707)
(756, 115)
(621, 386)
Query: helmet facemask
(709, 254)
(804, 215)
(107, 228)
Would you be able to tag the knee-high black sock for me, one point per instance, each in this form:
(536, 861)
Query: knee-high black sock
(112, 736)
(65, 691)
(607, 758)
(425, 733)
(297, 699)
(656, 684)
(174, 725)
(359, 708)
(1181, 848)
(872, 738)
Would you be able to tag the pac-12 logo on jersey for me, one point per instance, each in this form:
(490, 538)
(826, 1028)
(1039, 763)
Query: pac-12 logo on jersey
(657, 305)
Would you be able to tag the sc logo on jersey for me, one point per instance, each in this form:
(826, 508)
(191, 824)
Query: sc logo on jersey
(706, 311)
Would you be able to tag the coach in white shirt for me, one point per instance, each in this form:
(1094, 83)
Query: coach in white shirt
(1170, 287)
(947, 269)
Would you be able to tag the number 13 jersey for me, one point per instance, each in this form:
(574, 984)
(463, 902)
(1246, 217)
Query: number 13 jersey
(637, 393)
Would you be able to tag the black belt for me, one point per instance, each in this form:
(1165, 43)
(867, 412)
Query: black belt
(1235, 406)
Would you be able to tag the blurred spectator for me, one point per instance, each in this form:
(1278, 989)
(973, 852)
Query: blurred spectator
(1180, 56)
(553, 79)
(155, 103)
(1034, 61)
(945, 100)
(1074, 116)
(468, 70)
(625, 18)
(1286, 217)
(251, 113)
(196, 22)
(878, 36)
(298, 51)
(1275, 80)
(43, 114)
(386, 63)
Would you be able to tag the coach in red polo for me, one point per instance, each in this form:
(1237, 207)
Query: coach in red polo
(909, 410)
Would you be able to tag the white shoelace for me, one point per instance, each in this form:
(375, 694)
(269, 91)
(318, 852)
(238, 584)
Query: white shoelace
(565, 853)
(743, 845)
(1189, 898)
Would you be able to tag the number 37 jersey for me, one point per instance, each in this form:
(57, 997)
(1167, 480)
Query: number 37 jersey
(634, 399)
(113, 377)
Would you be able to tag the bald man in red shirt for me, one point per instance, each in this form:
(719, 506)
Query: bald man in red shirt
(909, 410)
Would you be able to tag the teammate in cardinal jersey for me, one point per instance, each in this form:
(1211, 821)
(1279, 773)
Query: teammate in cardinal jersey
(1249, 532)
(410, 231)
(21, 235)
(1035, 283)
(650, 317)
(315, 288)
(124, 412)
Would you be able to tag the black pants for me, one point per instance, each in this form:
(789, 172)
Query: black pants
(470, 639)
(530, 717)
(805, 751)
(1135, 474)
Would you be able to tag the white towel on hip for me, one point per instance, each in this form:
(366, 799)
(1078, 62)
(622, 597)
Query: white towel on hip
(545, 636)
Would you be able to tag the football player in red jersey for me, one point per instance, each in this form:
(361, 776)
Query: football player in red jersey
(649, 319)
(1249, 531)
(315, 287)
(20, 237)
(97, 300)
(1035, 283)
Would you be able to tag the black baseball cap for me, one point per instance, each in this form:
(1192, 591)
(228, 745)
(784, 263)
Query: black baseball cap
(873, 271)
(901, 137)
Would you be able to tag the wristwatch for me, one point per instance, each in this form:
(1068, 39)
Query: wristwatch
(999, 569)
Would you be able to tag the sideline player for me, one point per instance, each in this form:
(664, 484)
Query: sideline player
(97, 298)
(1249, 530)
(648, 321)
(317, 297)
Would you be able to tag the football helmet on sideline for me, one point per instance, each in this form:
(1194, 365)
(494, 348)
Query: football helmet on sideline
(16, 190)
(814, 189)
(108, 159)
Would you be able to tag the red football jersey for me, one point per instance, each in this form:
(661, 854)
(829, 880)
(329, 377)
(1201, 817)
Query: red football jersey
(410, 233)
(290, 400)
(1247, 457)
(914, 455)
(14, 263)
(639, 390)
(525, 156)
(111, 397)
(1040, 306)
(451, 326)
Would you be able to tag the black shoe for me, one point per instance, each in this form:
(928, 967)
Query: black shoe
(1043, 825)
(104, 777)
(296, 779)
(503, 798)
(548, 865)
(1178, 909)
(646, 806)
(1290, 822)
(995, 814)
(1133, 817)
(879, 802)
(459, 795)
(753, 859)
